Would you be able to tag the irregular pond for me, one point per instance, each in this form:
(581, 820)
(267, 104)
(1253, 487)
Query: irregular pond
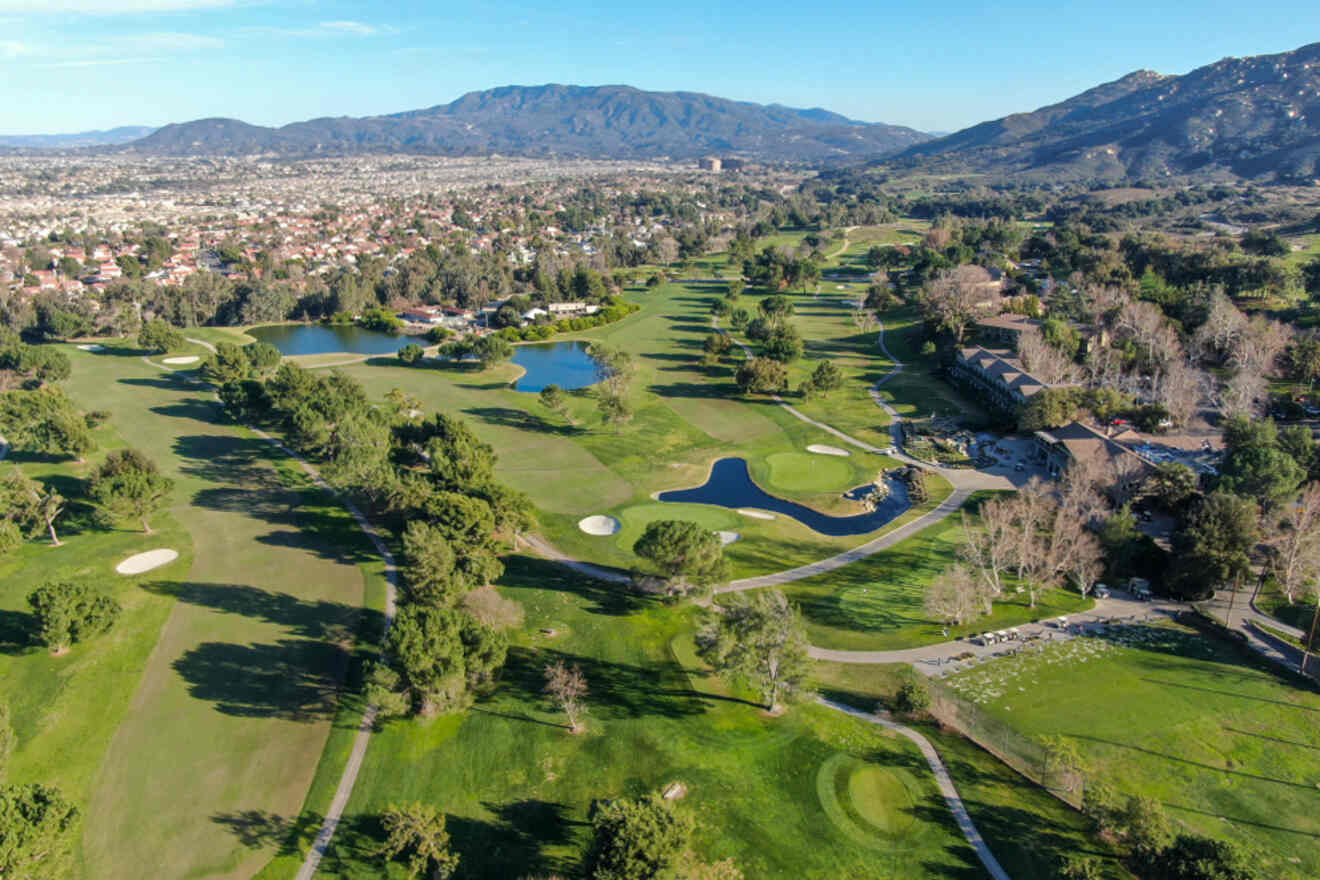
(730, 485)
(293, 339)
(565, 364)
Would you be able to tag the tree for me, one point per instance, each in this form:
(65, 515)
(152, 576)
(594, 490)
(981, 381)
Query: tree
(411, 354)
(776, 309)
(36, 831)
(1294, 545)
(683, 550)
(566, 685)
(990, 547)
(417, 830)
(826, 378)
(912, 698)
(783, 344)
(1145, 825)
(1172, 485)
(44, 421)
(552, 398)
(1193, 857)
(761, 375)
(1063, 762)
(128, 484)
(762, 640)
(27, 506)
(955, 297)
(159, 336)
(491, 350)
(953, 595)
(439, 654)
(636, 838)
(67, 613)
(1265, 473)
(715, 346)
(1214, 544)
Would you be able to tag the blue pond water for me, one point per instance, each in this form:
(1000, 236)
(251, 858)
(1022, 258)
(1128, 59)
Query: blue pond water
(730, 485)
(293, 339)
(554, 363)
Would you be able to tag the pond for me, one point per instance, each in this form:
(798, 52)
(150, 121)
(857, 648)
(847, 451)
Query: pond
(730, 485)
(565, 364)
(293, 339)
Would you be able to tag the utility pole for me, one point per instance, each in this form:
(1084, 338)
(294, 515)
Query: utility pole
(1237, 583)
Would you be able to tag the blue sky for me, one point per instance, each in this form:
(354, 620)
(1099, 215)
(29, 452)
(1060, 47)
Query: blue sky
(73, 65)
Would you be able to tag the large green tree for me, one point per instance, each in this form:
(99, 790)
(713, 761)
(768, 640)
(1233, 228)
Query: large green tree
(1214, 544)
(129, 484)
(159, 337)
(67, 613)
(36, 831)
(439, 654)
(44, 421)
(761, 375)
(417, 832)
(636, 838)
(761, 640)
(683, 551)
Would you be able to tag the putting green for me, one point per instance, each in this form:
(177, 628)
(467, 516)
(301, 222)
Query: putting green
(871, 804)
(636, 518)
(806, 472)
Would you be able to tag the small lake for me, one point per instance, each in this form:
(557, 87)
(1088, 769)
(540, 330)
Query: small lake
(730, 485)
(292, 339)
(565, 364)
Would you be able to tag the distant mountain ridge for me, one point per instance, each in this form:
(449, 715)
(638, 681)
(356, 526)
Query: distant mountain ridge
(121, 135)
(1252, 117)
(616, 122)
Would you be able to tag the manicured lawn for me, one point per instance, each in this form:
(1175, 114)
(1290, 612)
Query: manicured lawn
(794, 797)
(808, 472)
(220, 699)
(876, 604)
(1229, 745)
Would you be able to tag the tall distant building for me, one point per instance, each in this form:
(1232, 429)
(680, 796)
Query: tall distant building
(709, 163)
(731, 164)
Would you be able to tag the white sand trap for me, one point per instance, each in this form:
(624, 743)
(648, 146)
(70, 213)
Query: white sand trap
(755, 514)
(184, 359)
(146, 561)
(599, 525)
(91, 346)
(821, 449)
(727, 538)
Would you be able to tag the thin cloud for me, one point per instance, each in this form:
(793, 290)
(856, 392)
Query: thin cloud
(101, 62)
(324, 30)
(108, 7)
(177, 42)
(12, 49)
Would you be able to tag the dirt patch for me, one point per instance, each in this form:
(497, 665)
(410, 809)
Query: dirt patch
(822, 449)
(181, 359)
(755, 514)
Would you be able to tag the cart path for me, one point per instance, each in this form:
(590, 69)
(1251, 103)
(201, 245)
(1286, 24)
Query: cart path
(943, 780)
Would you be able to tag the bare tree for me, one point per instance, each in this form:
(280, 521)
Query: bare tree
(989, 547)
(1244, 394)
(1224, 323)
(567, 686)
(955, 297)
(1258, 346)
(953, 596)
(1294, 545)
(1180, 390)
(1044, 361)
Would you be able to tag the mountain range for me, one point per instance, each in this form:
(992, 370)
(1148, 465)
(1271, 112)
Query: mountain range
(1250, 117)
(121, 135)
(617, 122)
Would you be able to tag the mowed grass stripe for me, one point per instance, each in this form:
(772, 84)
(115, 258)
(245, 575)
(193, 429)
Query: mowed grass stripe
(234, 706)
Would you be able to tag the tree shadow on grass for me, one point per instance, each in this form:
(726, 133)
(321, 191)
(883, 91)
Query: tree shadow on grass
(509, 417)
(291, 679)
(168, 381)
(612, 599)
(617, 690)
(308, 619)
(196, 409)
(15, 632)
(514, 844)
(1198, 764)
(259, 829)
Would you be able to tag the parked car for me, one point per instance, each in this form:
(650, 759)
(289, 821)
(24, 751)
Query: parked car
(1101, 591)
(1019, 466)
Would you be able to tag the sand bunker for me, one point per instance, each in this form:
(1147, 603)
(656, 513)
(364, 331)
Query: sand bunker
(755, 514)
(821, 449)
(146, 561)
(727, 538)
(184, 359)
(91, 346)
(599, 525)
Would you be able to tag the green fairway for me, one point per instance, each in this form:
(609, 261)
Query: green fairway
(875, 604)
(230, 709)
(1226, 743)
(810, 794)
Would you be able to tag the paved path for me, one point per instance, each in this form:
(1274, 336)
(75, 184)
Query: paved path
(1248, 621)
(870, 548)
(600, 573)
(945, 783)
